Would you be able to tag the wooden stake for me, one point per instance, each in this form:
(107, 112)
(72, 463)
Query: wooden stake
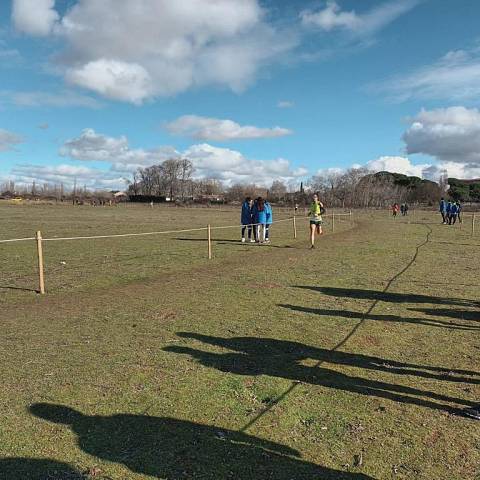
(41, 280)
(209, 230)
(333, 222)
(473, 224)
(294, 227)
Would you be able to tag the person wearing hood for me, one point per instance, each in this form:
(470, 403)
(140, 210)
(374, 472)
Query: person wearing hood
(269, 213)
(260, 219)
(247, 219)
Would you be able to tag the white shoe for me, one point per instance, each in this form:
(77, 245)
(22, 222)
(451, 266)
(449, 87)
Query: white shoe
(252, 240)
(243, 240)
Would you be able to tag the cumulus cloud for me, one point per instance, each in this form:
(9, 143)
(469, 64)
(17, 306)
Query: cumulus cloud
(67, 175)
(34, 17)
(227, 165)
(396, 164)
(131, 53)
(92, 146)
(332, 17)
(62, 99)
(448, 134)
(8, 140)
(215, 129)
(455, 77)
(113, 79)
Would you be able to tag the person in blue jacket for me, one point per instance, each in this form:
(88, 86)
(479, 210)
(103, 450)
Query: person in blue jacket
(247, 219)
(443, 210)
(447, 212)
(452, 218)
(269, 211)
(459, 212)
(260, 219)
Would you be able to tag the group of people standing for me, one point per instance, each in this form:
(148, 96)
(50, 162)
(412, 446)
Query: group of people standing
(257, 218)
(450, 211)
(403, 209)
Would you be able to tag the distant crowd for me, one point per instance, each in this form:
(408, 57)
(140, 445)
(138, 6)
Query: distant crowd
(450, 211)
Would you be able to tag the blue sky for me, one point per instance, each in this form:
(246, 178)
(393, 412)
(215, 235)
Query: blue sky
(250, 91)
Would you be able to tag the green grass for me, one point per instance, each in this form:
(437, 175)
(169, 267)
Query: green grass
(156, 363)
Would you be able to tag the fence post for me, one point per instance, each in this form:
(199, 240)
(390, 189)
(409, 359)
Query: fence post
(209, 230)
(351, 218)
(41, 280)
(333, 222)
(473, 224)
(294, 227)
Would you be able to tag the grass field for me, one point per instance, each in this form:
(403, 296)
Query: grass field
(146, 360)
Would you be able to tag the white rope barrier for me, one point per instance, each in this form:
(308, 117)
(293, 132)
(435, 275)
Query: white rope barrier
(164, 232)
(17, 240)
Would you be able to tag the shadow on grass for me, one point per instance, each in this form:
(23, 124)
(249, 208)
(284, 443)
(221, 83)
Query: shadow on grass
(175, 449)
(385, 296)
(469, 315)
(37, 469)
(235, 242)
(384, 318)
(278, 358)
(5, 287)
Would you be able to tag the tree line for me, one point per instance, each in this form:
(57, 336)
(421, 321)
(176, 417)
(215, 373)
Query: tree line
(174, 180)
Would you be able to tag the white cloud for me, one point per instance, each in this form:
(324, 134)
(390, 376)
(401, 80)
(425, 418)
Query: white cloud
(448, 134)
(34, 17)
(67, 175)
(133, 51)
(395, 164)
(62, 99)
(230, 166)
(113, 79)
(214, 129)
(332, 17)
(227, 165)
(285, 104)
(430, 171)
(455, 77)
(92, 146)
(8, 140)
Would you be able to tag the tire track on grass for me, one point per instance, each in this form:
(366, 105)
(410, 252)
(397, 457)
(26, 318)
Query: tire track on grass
(351, 333)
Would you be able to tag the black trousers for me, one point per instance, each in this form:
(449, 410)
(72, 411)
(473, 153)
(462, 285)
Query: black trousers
(245, 227)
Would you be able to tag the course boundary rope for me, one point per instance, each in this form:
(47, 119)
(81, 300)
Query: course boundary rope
(164, 232)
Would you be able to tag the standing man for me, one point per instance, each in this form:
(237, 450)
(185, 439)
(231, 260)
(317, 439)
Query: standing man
(443, 210)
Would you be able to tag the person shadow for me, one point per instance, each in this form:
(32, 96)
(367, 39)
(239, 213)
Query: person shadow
(22, 468)
(165, 447)
(434, 322)
(283, 359)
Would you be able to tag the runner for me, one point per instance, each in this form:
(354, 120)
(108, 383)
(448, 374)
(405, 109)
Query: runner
(315, 212)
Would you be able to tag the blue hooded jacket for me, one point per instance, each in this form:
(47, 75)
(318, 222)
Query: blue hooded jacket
(443, 206)
(449, 207)
(268, 209)
(246, 218)
(259, 216)
(453, 209)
